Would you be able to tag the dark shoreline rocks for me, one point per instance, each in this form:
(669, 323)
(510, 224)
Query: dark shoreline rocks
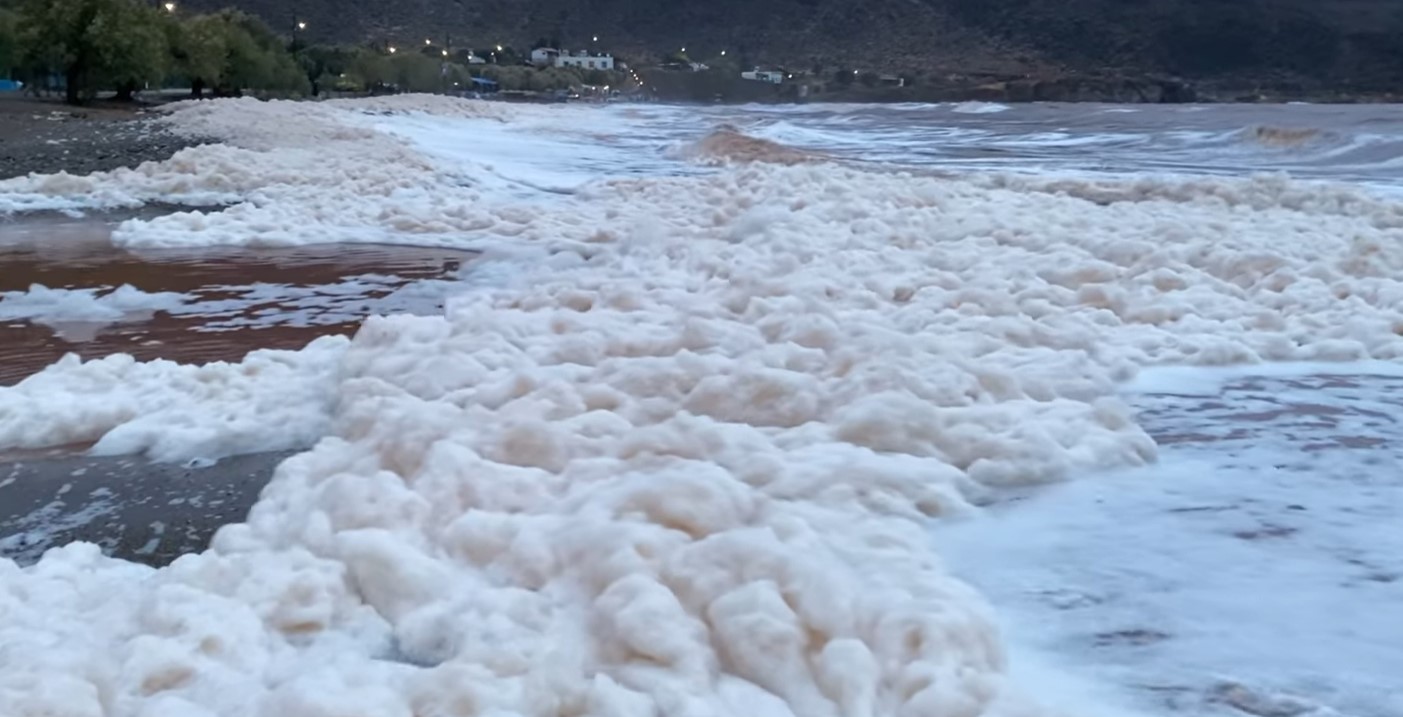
(46, 137)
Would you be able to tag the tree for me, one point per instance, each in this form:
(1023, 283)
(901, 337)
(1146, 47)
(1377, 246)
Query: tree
(201, 52)
(95, 43)
(231, 51)
(9, 41)
(132, 51)
(509, 77)
(257, 58)
(370, 70)
(600, 78)
(417, 73)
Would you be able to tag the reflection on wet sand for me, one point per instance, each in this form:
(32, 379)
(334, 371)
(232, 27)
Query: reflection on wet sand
(231, 301)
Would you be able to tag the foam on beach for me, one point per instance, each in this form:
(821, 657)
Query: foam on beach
(679, 455)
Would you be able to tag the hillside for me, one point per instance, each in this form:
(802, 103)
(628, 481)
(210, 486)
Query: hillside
(1354, 43)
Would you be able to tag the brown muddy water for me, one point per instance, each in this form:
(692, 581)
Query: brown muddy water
(231, 301)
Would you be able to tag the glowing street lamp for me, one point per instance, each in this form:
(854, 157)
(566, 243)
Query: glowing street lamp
(499, 48)
(393, 49)
(170, 7)
(596, 38)
(427, 41)
(301, 26)
(723, 53)
(445, 53)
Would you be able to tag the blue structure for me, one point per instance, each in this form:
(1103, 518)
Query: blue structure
(11, 85)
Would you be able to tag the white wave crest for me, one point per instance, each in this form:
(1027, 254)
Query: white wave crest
(979, 108)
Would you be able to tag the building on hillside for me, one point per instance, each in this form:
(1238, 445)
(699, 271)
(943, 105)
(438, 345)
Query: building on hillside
(544, 56)
(585, 61)
(759, 75)
(685, 66)
(475, 59)
(550, 57)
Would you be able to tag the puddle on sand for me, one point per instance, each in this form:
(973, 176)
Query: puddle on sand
(231, 300)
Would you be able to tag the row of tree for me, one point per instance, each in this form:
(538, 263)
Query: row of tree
(123, 46)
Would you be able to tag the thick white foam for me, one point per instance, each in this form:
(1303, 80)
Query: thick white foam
(273, 400)
(89, 309)
(683, 460)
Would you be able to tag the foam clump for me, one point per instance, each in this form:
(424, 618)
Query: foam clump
(684, 461)
(56, 306)
(273, 400)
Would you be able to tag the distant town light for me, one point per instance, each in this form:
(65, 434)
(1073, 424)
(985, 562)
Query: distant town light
(301, 26)
(393, 50)
(499, 48)
(684, 49)
(596, 38)
(170, 7)
(427, 41)
(445, 53)
(723, 53)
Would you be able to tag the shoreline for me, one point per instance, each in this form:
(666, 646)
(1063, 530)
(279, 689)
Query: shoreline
(48, 137)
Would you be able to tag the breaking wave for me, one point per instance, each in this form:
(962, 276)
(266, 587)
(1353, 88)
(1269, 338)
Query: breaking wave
(728, 145)
(979, 108)
(1282, 136)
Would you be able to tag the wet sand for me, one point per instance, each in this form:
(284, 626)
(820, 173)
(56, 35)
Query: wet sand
(145, 512)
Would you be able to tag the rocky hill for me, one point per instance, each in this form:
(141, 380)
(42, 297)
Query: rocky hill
(1354, 44)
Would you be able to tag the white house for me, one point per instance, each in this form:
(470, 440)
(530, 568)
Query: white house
(543, 56)
(585, 61)
(758, 75)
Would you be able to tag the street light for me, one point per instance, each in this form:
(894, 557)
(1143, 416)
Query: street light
(499, 48)
(393, 49)
(596, 38)
(427, 41)
(301, 26)
(445, 53)
(170, 7)
(723, 53)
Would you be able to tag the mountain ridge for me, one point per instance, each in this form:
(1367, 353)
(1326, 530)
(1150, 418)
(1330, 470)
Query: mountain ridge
(1345, 43)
